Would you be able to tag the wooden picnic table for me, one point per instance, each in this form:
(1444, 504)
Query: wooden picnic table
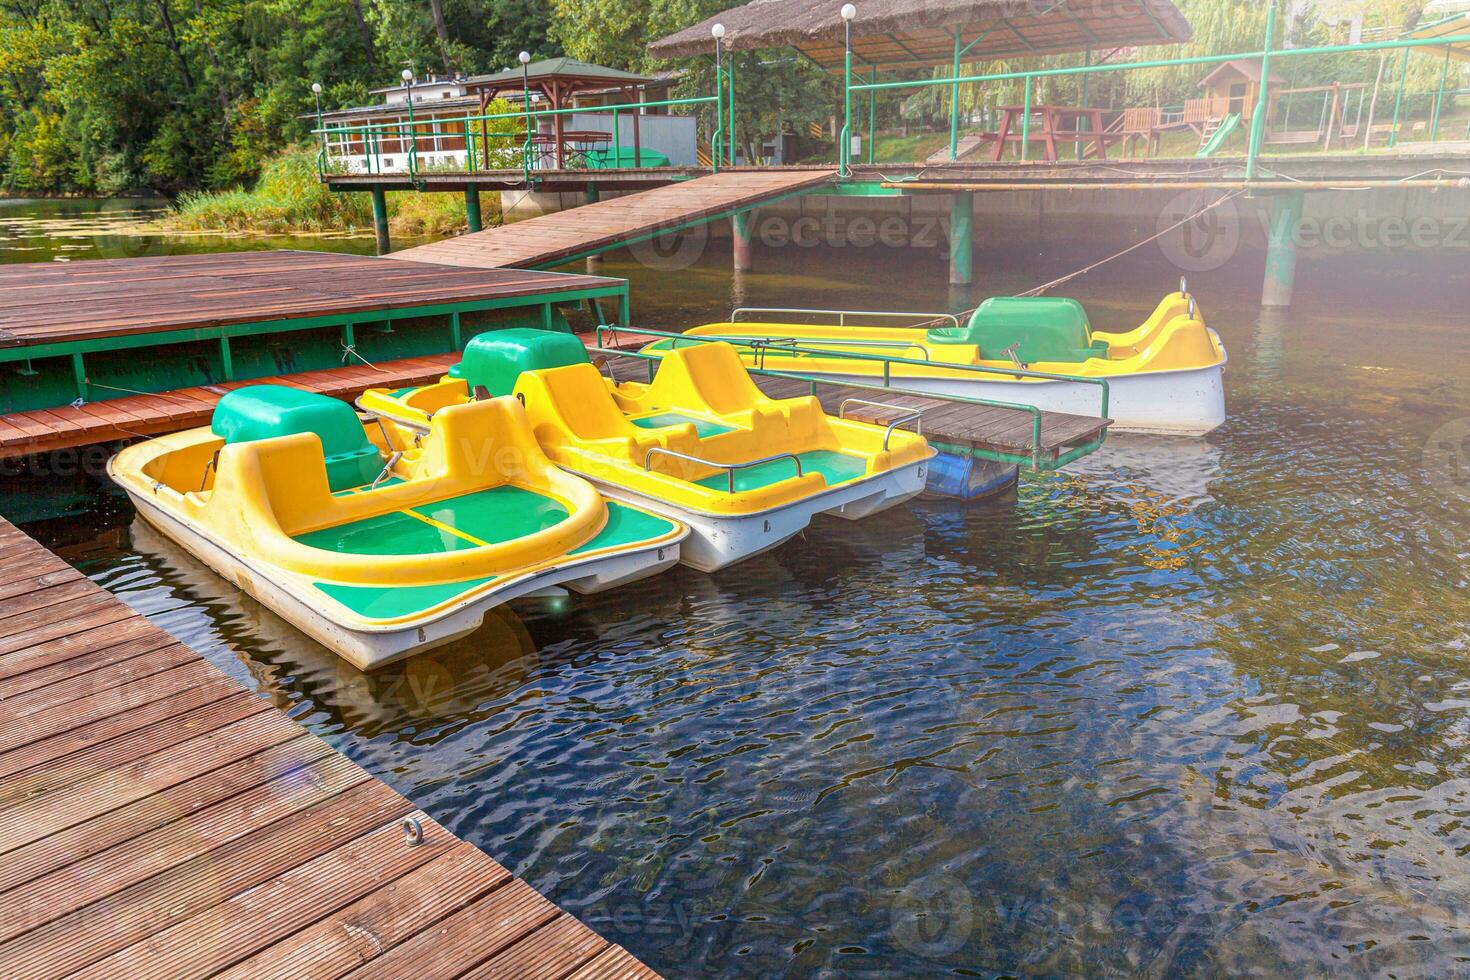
(1056, 123)
(575, 145)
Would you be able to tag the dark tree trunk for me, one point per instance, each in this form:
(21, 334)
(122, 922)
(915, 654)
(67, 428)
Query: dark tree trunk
(173, 44)
(441, 28)
(364, 32)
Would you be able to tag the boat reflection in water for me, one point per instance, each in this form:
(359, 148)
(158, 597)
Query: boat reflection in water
(444, 686)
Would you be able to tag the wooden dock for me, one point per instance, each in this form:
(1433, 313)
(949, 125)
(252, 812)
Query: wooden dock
(105, 299)
(109, 349)
(555, 239)
(158, 819)
(134, 416)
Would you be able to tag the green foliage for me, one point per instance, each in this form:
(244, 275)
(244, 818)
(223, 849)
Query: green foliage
(105, 96)
(289, 198)
(102, 96)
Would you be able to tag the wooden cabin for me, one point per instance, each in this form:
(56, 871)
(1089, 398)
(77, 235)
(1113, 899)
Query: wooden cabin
(1233, 88)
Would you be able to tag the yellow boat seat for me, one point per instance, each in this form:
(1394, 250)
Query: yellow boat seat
(710, 378)
(573, 404)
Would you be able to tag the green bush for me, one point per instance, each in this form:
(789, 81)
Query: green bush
(290, 198)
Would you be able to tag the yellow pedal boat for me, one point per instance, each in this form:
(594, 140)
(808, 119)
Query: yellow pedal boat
(378, 546)
(700, 443)
(1164, 376)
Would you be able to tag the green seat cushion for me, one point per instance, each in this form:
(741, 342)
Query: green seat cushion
(835, 468)
(494, 360)
(271, 411)
(1047, 328)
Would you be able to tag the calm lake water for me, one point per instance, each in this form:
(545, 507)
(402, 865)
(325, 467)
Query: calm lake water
(1193, 706)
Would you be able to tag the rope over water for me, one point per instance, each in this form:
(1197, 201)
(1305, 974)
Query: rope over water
(1037, 291)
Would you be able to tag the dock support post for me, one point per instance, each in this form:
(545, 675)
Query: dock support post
(472, 207)
(961, 244)
(742, 226)
(1286, 217)
(591, 194)
(380, 219)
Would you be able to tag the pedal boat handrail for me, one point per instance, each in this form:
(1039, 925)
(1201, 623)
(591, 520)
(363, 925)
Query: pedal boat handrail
(729, 468)
(886, 361)
(842, 315)
(1032, 458)
(915, 416)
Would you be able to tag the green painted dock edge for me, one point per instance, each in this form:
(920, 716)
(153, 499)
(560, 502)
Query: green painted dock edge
(69, 364)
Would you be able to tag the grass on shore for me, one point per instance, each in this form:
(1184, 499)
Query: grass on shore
(289, 198)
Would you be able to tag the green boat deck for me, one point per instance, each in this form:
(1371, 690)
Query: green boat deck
(703, 428)
(836, 468)
(473, 520)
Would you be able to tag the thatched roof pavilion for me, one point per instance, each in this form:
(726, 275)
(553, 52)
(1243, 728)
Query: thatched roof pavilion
(909, 33)
(1456, 25)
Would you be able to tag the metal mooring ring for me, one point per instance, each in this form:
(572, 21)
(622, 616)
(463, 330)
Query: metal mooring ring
(413, 831)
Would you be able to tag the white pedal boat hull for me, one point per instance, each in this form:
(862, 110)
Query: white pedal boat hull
(717, 541)
(367, 647)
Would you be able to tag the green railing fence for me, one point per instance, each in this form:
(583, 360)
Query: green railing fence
(409, 135)
(1265, 55)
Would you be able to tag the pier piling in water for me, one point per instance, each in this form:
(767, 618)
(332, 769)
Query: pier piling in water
(380, 219)
(472, 208)
(1280, 281)
(961, 238)
(742, 227)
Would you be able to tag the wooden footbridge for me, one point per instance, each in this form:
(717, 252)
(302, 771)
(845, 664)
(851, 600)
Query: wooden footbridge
(555, 239)
(157, 818)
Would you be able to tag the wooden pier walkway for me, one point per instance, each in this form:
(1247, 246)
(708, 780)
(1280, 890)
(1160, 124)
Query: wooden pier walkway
(111, 349)
(133, 416)
(106, 299)
(158, 819)
(555, 239)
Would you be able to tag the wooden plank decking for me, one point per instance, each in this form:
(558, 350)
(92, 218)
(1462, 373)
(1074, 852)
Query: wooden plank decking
(131, 416)
(567, 235)
(50, 302)
(158, 819)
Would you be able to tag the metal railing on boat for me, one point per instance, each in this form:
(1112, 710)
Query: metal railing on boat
(842, 315)
(1036, 447)
(729, 468)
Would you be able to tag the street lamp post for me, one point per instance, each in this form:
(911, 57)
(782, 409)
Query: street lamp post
(413, 136)
(844, 152)
(717, 143)
(525, 59)
(321, 162)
